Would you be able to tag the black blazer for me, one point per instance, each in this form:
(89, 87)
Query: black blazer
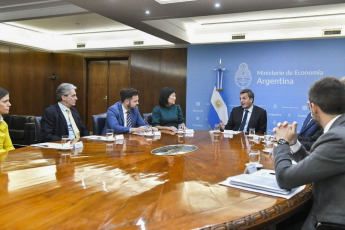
(54, 124)
(258, 119)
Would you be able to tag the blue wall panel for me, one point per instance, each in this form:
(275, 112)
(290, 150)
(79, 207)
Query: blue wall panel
(281, 73)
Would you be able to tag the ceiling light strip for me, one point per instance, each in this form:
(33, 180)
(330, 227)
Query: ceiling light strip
(271, 19)
(172, 1)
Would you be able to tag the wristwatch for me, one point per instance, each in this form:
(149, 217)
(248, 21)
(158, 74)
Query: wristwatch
(282, 142)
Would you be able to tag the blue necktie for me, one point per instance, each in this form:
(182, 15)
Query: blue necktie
(243, 121)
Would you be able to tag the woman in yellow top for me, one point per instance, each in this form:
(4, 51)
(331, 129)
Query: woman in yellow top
(5, 140)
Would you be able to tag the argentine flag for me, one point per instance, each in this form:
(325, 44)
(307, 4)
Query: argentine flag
(218, 108)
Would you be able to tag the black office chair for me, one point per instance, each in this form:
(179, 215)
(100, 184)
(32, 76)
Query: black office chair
(329, 226)
(148, 118)
(38, 129)
(98, 123)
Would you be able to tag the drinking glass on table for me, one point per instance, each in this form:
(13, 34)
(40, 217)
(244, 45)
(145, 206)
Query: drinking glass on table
(65, 142)
(109, 134)
(148, 130)
(267, 136)
(251, 131)
(268, 144)
(254, 157)
(216, 132)
(180, 128)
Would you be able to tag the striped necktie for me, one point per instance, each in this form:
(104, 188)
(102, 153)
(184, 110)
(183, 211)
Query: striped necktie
(74, 126)
(129, 121)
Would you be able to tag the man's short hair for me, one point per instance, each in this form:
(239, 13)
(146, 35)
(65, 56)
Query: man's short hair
(249, 92)
(329, 94)
(128, 93)
(164, 96)
(64, 89)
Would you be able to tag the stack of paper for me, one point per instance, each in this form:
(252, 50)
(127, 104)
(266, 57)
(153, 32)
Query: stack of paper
(263, 181)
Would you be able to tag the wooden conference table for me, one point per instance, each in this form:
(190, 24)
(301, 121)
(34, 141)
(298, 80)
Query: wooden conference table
(123, 186)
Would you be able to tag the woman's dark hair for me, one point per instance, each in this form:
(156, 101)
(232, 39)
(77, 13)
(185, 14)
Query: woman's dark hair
(163, 97)
(3, 92)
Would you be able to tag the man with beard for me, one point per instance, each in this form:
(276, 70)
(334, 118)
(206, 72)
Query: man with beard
(124, 116)
(247, 116)
(324, 165)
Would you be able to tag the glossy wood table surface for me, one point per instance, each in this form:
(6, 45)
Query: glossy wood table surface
(123, 186)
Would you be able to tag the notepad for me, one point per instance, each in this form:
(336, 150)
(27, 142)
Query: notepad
(262, 181)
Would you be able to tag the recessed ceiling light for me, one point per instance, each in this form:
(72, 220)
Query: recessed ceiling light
(172, 1)
(217, 5)
(147, 12)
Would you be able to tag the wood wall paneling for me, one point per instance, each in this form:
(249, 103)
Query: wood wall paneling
(71, 68)
(118, 79)
(29, 75)
(151, 70)
(4, 67)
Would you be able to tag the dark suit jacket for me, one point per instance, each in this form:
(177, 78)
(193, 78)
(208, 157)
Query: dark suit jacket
(115, 119)
(258, 119)
(54, 124)
(309, 128)
(324, 168)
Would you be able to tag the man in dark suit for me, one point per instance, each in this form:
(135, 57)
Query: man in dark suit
(309, 133)
(247, 116)
(61, 118)
(124, 116)
(324, 165)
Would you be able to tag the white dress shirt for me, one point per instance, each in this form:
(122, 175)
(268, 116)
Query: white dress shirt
(63, 108)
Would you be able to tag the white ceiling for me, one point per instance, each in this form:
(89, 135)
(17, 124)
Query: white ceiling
(56, 25)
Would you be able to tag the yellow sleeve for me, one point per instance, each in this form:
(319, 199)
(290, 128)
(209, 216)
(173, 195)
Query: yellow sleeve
(7, 142)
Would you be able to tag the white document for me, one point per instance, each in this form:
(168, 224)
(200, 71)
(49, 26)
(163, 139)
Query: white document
(185, 131)
(226, 131)
(262, 181)
(102, 138)
(52, 146)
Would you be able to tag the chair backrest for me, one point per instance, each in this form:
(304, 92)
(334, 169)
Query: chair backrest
(148, 118)
(38, 129)
(21, 129)
(98, 123)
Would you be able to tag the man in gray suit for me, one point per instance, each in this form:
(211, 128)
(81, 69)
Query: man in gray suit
(324, 166)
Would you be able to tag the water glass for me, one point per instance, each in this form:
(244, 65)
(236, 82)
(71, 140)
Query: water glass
(269, 144)
(251, 131)
(65, 142)
(216, 132)
(254, 157)
(180, 127)
(109, 134)
(148, 130)
(267, 136)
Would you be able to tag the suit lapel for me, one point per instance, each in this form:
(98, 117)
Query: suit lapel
(62, 117)
(121, 114)
(251, 120)
(306, 125)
